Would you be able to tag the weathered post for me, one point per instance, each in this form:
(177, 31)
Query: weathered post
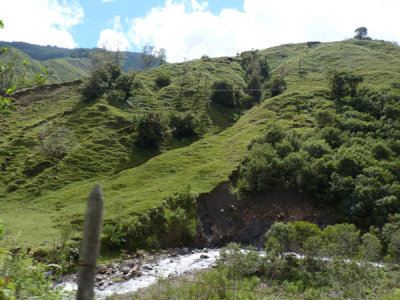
(90, 247)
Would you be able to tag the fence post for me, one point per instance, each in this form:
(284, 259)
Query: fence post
(90, 247)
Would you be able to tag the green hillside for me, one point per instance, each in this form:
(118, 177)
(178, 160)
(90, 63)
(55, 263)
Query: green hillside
(59, 70)
(131, 60)
(38, 193)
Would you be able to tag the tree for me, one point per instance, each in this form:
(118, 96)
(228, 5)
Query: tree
(162, 56)
(152, 129)
(353, 81)
(106, 68)
(223, 93)
(276, 85)
(361, 33)
(151, 57)
(10, 82)
(337, 84)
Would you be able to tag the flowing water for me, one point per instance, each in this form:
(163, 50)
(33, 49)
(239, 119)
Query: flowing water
(163, 267)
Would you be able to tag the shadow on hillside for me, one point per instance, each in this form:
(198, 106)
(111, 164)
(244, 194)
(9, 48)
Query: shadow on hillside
(222, 117)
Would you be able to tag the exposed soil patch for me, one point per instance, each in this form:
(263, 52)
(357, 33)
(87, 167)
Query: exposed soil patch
(223, 218)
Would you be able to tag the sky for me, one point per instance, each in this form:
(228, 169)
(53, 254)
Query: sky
(188, 29)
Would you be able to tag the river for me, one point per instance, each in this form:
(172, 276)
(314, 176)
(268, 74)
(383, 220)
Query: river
(162, 266)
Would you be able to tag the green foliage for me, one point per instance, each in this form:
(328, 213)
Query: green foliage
(371, 248)
(276, 85)
(9, 85)
(106, 69)
(342, 240)
(169, 225)
(391, 237)
(254, 89)
(343, 162)
(343, 83)
(243, 273)
(162, 80)
(223, 93)
(55, 141)
(361, 33)
(183, 124)
(20, 277)
(105, 136)
(240, 262)
(152, 129)
(281, 233)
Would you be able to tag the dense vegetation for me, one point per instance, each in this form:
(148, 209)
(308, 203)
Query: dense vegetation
(349, 159)
(321, 119)
(331, 264)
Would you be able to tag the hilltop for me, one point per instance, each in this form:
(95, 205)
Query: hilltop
(136, 179)
(131, 60)
(61, 64)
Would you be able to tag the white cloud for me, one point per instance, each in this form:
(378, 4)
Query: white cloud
(187, 29)
(113, 39)
(106, 1)
(44, 22)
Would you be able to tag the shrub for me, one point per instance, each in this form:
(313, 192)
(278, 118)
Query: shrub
(316, 148)
(104, 74)
(281, 233)
(55, 142)
(370, 248)
(276, 85)
(254, 89)
(162, 80)
(342, 240)
(124, 83)
(183, 124)
(302, 231)
(96, 85)
(152, 129)
(117, 98)
(223, 93)
(205, 58)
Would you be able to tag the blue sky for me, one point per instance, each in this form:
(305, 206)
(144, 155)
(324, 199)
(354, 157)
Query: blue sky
(99, 14)
(187, 29)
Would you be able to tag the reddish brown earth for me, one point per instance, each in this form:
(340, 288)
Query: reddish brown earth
(224, 218)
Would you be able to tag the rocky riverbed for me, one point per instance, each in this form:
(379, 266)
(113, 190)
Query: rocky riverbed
(144, 269)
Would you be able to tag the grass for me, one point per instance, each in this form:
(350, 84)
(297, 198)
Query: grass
(135, 179)
(59, 70)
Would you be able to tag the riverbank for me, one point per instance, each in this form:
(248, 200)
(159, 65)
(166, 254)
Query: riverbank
(145, 269)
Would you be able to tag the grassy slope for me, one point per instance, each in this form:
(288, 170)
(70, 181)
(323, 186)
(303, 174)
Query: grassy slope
(203, 164)
(60, 69)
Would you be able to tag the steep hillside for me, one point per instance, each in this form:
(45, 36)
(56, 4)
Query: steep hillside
(135, 179)
(59, 70)
(132, 60)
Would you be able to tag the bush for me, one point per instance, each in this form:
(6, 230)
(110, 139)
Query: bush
(276, 85)
(55, 142)
(124, 83)
(342, 240)
(117, 98)
(103, 76)
(96, 85)
(183, 124)
(223, 93)
(162, 80)
(254, 89)
(152, 129)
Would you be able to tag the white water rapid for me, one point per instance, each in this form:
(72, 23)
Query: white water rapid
(164, 267)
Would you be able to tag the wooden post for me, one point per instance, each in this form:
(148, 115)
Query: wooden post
(90, 247)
